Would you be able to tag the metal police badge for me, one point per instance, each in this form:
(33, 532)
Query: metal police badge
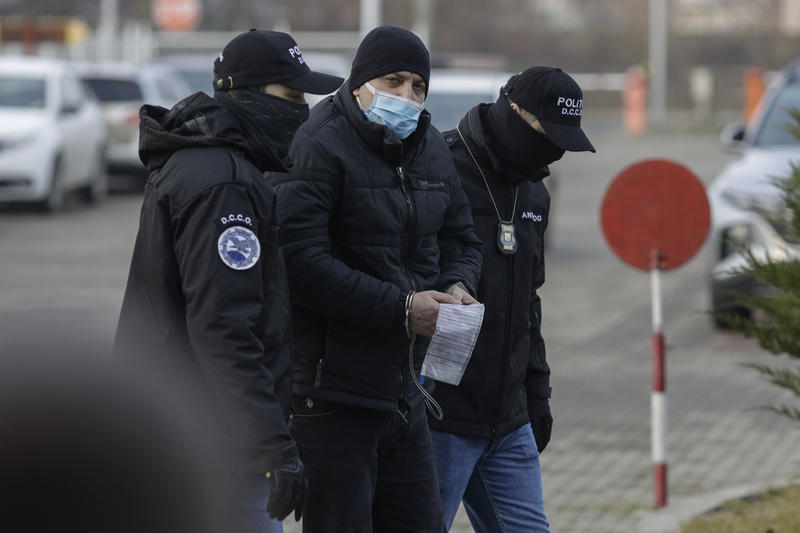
(506, 237)
(239, 248)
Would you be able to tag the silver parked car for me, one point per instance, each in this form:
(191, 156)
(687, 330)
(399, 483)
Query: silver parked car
(52, 136)
(122, 89)
(746, 206)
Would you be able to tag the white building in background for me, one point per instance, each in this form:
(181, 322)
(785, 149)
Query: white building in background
(789, 17)
(704, 17)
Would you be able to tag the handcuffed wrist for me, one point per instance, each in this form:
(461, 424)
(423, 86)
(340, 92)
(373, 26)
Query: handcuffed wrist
(407, 313)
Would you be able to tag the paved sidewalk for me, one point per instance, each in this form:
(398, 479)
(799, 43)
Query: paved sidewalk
(596, 320)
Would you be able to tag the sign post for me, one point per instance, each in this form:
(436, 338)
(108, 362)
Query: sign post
(655, 217)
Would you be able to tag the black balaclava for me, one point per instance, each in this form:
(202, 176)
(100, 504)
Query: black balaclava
(269, 123)
(522, 150)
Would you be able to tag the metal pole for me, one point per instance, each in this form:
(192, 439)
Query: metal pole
(658, 399)
(423, 18)
(659, 24)
(107, 29)
(369, 16)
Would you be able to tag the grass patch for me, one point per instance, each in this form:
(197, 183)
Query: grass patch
(775, 511)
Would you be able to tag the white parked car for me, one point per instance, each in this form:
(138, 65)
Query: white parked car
(746, 206)
(453, 92)
(122, 89)
(196, 70)
(52, 137)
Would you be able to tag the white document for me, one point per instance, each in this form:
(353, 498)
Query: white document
(457, 328)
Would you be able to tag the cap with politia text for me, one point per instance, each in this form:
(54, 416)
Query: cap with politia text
(259, 57)
(557, 102)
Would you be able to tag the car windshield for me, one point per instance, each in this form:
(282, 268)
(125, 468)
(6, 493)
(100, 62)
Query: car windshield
(447, 109)
(22, 92)
(198, 80)
(112, 90)
(772, 131)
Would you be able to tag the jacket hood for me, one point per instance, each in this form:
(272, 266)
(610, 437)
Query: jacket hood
(196, 121)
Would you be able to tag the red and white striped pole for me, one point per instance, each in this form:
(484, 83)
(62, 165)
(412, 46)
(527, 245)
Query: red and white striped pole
(658, 400)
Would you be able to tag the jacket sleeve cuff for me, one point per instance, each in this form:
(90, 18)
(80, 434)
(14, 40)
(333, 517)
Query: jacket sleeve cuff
(278, 456)
(541, 391)
(398, 321)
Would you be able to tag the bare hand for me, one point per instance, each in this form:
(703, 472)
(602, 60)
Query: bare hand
(425, 310)
(461, 295)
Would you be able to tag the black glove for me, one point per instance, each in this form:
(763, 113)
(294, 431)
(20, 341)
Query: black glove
(541, 421)
(288, 488)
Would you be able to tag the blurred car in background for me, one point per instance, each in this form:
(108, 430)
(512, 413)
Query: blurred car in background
(122, 89)
(452, 92)
(196, 70)
(52, 137)
(748, 211)
(327, 63)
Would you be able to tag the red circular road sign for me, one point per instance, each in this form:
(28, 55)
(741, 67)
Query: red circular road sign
(655, 208)
(177, 15)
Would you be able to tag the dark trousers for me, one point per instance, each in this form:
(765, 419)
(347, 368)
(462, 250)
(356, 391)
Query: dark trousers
(368, 471)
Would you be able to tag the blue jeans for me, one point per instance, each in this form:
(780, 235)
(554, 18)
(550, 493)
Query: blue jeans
(500, 481)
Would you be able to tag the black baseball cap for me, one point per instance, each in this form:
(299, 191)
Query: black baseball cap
(556, 100)
(259, 57)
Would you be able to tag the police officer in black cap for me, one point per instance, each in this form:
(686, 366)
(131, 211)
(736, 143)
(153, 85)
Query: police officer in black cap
(372, 195)
(207, 298)
(497, 420)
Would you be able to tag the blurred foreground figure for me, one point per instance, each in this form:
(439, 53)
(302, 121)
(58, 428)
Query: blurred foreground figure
(88, 450)
(207, 297)
(372, 192)
(497, 421)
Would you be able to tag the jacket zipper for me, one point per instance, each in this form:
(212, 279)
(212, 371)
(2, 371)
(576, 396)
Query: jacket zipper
(506, 338)
(409, 231)
(318, 376)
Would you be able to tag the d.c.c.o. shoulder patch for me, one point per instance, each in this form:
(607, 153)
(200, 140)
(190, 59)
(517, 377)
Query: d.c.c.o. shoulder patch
(239, 248)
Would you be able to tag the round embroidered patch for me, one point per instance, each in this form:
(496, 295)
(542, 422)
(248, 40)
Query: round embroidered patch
(239, 248)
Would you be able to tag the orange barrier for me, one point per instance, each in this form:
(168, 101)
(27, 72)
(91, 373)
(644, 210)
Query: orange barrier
(634, 101)
(754, 87)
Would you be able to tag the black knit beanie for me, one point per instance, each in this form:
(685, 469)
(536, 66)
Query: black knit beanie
(389, 49)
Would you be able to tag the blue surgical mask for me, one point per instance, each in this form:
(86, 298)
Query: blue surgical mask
(398, 114)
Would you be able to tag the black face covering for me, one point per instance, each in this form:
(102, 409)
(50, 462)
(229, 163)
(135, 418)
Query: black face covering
(269, 123)
(522, 150)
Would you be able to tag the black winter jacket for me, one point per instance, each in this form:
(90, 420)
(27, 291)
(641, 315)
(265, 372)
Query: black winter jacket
(361, 219)
(508, 369)
(187, 315)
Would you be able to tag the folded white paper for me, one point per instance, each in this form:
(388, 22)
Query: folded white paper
(457, 328)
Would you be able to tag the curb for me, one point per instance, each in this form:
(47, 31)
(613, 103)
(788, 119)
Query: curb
(683, 508)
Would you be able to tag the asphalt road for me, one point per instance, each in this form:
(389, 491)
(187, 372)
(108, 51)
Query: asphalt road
(62, 278)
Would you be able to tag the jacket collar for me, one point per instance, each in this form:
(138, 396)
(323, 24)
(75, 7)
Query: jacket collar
(377, 136)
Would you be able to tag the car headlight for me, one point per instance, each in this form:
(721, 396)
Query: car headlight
(18, 142)
(773, 211)
(735, 238)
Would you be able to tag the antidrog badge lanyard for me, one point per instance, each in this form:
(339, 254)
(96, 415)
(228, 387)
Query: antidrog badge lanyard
(506, 232)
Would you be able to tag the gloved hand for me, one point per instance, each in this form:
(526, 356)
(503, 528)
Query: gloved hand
(288, 488)
(541, 421)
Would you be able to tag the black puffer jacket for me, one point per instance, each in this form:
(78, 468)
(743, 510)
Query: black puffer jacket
(187, 315)
(361, 217)
(508, 370)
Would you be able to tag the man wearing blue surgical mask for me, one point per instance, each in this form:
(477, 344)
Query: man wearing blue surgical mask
(372, 203)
